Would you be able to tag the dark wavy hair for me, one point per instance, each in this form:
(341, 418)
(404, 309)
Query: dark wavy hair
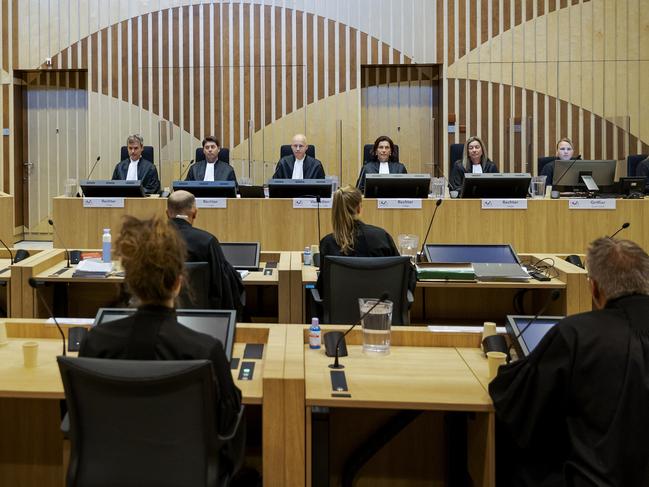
(393, 154)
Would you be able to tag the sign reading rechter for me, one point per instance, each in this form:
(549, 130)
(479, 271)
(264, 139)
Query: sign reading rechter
(504, 204)
(402, 203)
(103, 202)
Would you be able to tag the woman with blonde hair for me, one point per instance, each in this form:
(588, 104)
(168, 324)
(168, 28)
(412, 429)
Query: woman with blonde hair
(152, 254)
(565, 152)
(474, 160)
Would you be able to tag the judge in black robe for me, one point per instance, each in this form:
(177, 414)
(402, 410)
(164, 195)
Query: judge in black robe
(146, 172)
(153, 333)
(311, 169)
(575, 411)
(222, 171)
(456, 180)
(372, 167)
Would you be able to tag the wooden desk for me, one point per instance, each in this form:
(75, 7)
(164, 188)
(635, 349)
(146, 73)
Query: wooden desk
(7, 225)
(439, 302)
(267, 296)
(546, 226)
(31, 442)
(11, 280)
(417, 375)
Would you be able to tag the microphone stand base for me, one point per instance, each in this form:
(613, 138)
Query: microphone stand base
(336, 366)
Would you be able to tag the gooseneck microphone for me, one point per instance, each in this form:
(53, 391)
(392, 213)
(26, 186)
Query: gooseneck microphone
(554, 295)
(11, 255)
(624, 226)
(34, 284)
(186, 170)
(430, 225)
(67, 252)
(384, 297)
(93, 167)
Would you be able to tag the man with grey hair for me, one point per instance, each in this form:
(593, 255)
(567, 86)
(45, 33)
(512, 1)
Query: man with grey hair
(575, 411)
(135, 168)
(299, 165)
(226, 288)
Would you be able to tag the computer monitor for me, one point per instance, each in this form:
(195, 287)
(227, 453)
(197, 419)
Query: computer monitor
(471, 253)
(567, 174)
(532, 335)
(242, 255)
(299, 188)
(496, 185)
(397, 185)
(208, 189)
(218, 323)
(106, 188)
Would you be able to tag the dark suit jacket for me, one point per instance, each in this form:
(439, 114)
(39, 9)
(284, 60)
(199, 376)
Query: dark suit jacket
(146, 172)
(153, 333)
(311, 169)
(222, 172)
(456, 180)
(226, 288)
(372, 167)
(642, 171)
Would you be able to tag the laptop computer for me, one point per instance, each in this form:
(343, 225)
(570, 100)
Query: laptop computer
(532, 334)
(499, 272)
(217, 323)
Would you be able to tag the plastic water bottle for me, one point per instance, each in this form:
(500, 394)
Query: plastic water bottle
(315, 338)
(308, 256)
(106, 246)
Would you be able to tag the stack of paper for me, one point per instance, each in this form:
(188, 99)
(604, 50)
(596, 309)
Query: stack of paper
(93, 268)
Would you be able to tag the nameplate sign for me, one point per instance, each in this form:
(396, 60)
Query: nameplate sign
(103, 202)
(592, 204)
(504, 204)
(401, 203)
(311, 203)
(211, 202)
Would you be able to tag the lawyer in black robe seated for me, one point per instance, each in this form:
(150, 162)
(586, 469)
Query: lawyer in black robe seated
(211, 168)
(474, 160)
(137, 169)
(152, 254)
(353, 238)
(226, 288)
(383, 161)
(299, 165)
(574, 411)
(565, 152)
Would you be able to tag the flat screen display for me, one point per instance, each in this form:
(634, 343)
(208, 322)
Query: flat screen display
(242, 255)
(219, 324)
(473, 254)
(533, 334)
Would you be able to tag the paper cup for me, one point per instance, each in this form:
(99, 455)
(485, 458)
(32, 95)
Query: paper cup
(495, 359)
(30, 354)
(488, 330)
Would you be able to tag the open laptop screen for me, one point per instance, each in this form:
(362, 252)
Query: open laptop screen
(242, 255)
(219, 324)
(532, 335)
(474, 254)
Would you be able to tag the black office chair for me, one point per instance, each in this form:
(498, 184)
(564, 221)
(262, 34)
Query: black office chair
(147, 153)
(145, 423)
(455, 153)
(195, 291)
(368, 157)
(346, 279)
(224, 155)
(632, 162)
(542, 162)
(286, 150)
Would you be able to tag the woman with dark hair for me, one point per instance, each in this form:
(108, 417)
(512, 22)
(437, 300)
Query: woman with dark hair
(474, 160)
(383, 161)
(152, 254)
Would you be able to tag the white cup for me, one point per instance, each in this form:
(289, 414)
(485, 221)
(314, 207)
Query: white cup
(30, 354)
(488, 330)
(495, 359)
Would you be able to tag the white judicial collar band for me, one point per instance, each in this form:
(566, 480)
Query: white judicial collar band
(298, 169)
(209, 171)
(384, 168)
(504, 204)
(132, 170)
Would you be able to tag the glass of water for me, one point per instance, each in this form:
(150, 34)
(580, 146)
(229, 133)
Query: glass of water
(408, 245)
(376, 325)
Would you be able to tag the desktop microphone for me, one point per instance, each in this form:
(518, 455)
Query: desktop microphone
(336, 365)
(554, 295)
(186, 170)
(623, 227)
(93, 167)
(430, 225)
(67, 252)
(11, 255)
(35, 284)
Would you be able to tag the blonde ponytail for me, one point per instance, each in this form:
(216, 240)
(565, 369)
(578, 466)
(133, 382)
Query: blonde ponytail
(344, 214)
